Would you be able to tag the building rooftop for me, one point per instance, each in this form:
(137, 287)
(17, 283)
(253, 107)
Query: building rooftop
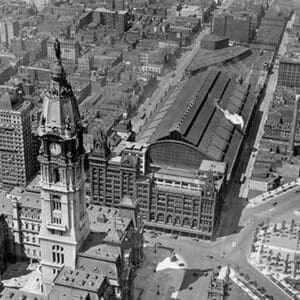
(6, 206)
(79, 279)
(15, 294)
(213, 166)
(206, 58)
(103, 218)
(291, 60)
(194, 116)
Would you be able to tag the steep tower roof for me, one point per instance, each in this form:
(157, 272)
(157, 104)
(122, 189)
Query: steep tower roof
(60, 110)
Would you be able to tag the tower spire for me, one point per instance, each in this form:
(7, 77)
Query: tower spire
(60, 109)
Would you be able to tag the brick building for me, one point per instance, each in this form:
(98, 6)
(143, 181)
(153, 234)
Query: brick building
(16, 157)
(235, 26)
(178, 176)
(70, 51)
(289, 72)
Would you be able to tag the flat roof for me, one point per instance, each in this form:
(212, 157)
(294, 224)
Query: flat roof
(15, 294)
(79, 279)
(291, 60)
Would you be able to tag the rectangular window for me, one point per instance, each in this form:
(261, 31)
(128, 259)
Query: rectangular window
(56, 202)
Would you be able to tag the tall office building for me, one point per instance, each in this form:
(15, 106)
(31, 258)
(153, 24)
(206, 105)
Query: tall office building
(70, 51)
(8, 30)
(115, 4)
(289, 72)
(16, 156)
(40, 4)
(12, 29)
(65, 222)
(3, 32)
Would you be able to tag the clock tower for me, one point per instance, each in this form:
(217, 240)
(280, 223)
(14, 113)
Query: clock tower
(65, 222)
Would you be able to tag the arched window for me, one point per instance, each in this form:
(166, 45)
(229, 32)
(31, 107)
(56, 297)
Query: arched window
(152, 216)
(195, 224)
(169, 220)
(186, 222)
(177, 221)
(160, 218)
(58, 254)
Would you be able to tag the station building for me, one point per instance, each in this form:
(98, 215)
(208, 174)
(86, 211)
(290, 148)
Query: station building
(179, 176)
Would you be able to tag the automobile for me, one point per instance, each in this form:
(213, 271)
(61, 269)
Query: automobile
(210, 256)
(275, 203)
(297, 191)
(146, 242)
(174, 237)
(153, 236)
(196, 240)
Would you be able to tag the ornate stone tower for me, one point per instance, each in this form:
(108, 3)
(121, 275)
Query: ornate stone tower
(64, 218)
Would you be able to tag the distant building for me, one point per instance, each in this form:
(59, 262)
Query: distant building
(236, 27)
(12, 29)
(115, 4)
(26, 220)
(264, 184)
(70, 51)
(3, 32)
(289, 72)
(112, 19)
(16, 157)
(8, 30)
(213, 42)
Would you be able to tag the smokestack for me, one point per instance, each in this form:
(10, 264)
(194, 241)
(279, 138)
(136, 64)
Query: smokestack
(293, 129)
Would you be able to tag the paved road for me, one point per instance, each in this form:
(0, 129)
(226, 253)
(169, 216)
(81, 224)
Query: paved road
(234, 249)
(264, 108)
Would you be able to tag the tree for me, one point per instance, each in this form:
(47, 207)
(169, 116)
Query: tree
(283, 223)
(287, 258)
(275, 227)
(292, 226)
(261, 249)
(247, 277)
(278, 258)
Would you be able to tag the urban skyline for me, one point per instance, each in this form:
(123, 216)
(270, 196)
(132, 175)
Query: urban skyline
(149, 149)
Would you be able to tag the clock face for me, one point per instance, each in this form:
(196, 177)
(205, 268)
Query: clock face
(55, 149)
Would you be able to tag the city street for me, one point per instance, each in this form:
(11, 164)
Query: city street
(233, 249)
(264, 109)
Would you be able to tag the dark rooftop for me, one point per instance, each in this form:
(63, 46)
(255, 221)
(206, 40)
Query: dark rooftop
(194, 115)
